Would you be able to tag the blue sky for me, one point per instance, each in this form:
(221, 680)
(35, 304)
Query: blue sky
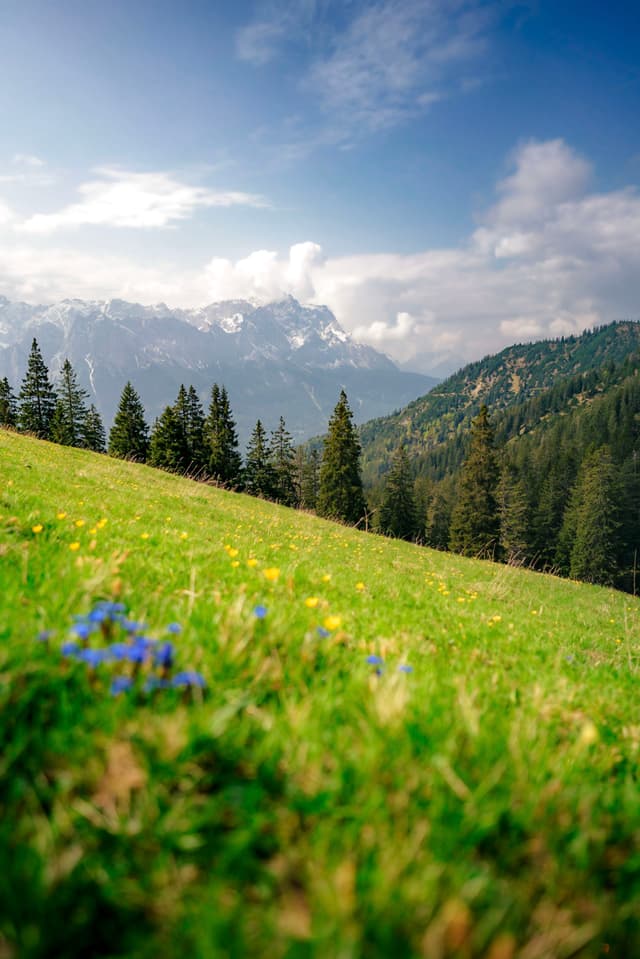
(447, 175)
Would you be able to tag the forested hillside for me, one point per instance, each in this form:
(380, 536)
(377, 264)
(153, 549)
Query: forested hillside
(549, 371)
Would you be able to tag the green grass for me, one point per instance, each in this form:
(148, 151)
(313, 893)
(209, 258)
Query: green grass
(484, 805)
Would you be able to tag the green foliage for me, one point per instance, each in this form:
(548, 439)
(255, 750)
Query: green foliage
(259, 474)
(515, 517)
(37, 398)
(595, 507)
(340, 493)
(129, 435)
(93, 434)
(168, 445)
(475, 521)
(308, 476)
(283, 462)
(225, 463)
(484, 805)
(398, 514)
(8, 405)
(70, 413)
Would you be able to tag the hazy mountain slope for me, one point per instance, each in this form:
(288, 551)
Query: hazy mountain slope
(280, 359)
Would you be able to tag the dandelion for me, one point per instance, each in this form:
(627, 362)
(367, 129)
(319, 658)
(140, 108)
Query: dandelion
(235, 564)
(37, 528)
(74, 546)
(61, 515)
(326, 578)
(311, 602)
(260, 612)
(271, 573)
(360, 587)
(93, 531)
(184, 535)
(79, 523)
(101, 523)
(332, 622)
(252, 562)
(144, 536)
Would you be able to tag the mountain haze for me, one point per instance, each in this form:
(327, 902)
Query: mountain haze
(277, 359)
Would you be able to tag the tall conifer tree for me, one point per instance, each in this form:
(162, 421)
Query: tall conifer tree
(308, 477)
(195, 432)
(8, 405)
(475, 522)
(167, 446)
(340, 493)
(597, 524)
(67, 425)
(283, 460)
(514, 513)
(225, 462)
(37, 399)
(398, 514)
(93, 435)
(129, 435)
(259, 474)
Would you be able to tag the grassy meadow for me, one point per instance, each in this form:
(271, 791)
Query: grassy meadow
(397, 752)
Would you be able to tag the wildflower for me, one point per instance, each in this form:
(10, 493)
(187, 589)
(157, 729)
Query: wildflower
(260, 612)
(93, 657)
(311, 602)
(82, 630)
(61, 515)
(252, 562)
(144, 536)
(322, 632)
(184, 535)
(79, 523)
(375, 660)
(74, 546)
(360, 587)
(70, 648)
(101, 523)
(332, 622)
(120, 684)
(174, 628)
(44, 635)
(235, 564)
(37, 528)
(271, 573)
(155, 682)
(326, 578)
(164, 655)
(404, 668)
(232, 552)
(189, 678)
(119, 650)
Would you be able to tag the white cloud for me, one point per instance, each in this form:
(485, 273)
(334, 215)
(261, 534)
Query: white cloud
(119, 198)
(28, 160)
(258, 42)
(545, 263)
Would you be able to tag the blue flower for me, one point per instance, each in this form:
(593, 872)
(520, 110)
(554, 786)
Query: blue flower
(70, 648)
(138, 651)
(189, 678)
(404, 668)
(174, 628)
(154, 682)
(120, 684)
(92, 657)
(375, 661)
(119, 650)
(260, 612)
(322, 632)
(164, 655)
(44, 635)
(98, 615)
(82, 630)
(131, 626)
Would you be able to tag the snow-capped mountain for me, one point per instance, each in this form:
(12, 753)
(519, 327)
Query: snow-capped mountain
(279, 359)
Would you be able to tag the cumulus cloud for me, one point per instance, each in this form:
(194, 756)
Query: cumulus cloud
(548, 260)
(119, 198)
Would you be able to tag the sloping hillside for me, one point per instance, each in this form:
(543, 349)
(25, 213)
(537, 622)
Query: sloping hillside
(508, 379)
(394, 752)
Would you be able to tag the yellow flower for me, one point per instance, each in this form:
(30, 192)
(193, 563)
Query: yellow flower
(332, 622)
(61, 515)
(101, 523)
(271, 573)
(461, 599)
(235, 563)
(311, 602)
(326, 578)
(93, 531)
(37, 528)
(74, 546)
(360, 586)
(183, 535)
(232, 552)
(79, 523)
(144, 536)
(252, 562)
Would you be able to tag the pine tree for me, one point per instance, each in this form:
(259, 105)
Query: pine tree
(398, 514)
(593, 555)
(308, 480)
(167, 446)
(475, 522)
(438, 515)
(225, 462)
(93, 435)
(515, 523)
(259, 474)
(129, 435)
(71, 409)
(195, 432)
(37, 396)
(8, 405)
(340, 493)
(181, 455)
(283, 459)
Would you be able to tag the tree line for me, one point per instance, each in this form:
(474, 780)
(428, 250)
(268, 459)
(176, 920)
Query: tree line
(202, 445)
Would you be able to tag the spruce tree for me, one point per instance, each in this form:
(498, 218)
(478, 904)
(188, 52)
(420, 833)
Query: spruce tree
(308, 479)
(129, 435)
(225, 462)
(515, 523)
(475, 522)
(398, 514)
(597, 523)
(167, 446)
(438, 515)
(283, 460)
(8, 405)
(71, 410)
(259, 474)
(37, 399)
(195, 432)
(93, 435)
(340, 493)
